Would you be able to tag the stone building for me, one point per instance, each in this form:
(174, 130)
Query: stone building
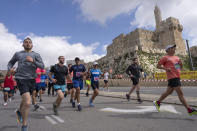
(125, 46)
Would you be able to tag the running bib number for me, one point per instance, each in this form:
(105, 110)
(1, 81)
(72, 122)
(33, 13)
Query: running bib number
(96, 78)
(177, 66)
(78, 74)
(42, 81)
(7, 89)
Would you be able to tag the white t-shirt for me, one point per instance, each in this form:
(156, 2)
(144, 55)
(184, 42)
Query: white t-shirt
(106, 76)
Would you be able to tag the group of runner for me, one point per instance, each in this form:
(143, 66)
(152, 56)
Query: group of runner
(69, 80)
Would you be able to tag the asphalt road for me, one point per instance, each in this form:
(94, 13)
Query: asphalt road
(188, 91)
(94, 119)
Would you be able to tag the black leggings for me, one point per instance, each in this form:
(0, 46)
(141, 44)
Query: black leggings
(49, 89)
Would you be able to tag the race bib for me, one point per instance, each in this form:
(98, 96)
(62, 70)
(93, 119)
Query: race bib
(42, 81)
(78, 74)
(96, 78)
(7, 89)
(177, 66)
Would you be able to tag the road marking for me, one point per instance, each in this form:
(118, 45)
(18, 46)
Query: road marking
(58, 118)
(43, 108)
(143, 110)
(50, 120)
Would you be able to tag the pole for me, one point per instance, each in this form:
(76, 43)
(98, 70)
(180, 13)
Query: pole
(190, 57)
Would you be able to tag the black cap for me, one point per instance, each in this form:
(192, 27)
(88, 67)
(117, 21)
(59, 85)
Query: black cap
(77, 59)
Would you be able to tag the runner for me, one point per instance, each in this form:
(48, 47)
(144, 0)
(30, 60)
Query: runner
(134, 72)
(8, 89)
(50, 86)
(78, 72)
(60, 72)
(70, 84)
(88, 81)
(25, 75)
(172, 65)
(95, 73)
(36, 89)
(43, 84)
(106, 79)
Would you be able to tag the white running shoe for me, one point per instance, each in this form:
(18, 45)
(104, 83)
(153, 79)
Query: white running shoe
(5, 103)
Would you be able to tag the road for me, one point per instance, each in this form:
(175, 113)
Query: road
(188, 91)
(94, 119)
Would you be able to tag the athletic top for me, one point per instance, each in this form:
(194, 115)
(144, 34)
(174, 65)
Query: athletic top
(172, 62)
(26, 70)
(38, 72)
(106, 76)
(43, 80)
(134, 70)
(95, 73)
(9, 82)
(77, 70)
(60, 73)
(70, 80)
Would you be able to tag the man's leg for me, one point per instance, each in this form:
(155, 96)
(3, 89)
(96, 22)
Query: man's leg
(168, 91)
(138, 93)
(131, 90)
(5, 98)
(77, 94)
(56, 104)
(24, 107)
(181, 96)
(40, 94)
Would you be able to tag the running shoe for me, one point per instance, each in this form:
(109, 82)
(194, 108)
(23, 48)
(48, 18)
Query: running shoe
(87, 94)
(139, 100)
(24, 128)
(157, 106)
(192, 112)
(79, 107)
(128, 97)
(91, 103)
(36, 107)
(55, 109)
(19, 116)
(5, 104)
(73, 104)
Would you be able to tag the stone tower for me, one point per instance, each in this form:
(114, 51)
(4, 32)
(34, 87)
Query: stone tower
(158, 17)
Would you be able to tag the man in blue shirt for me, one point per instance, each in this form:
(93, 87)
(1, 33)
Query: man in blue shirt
(78, 72)
(95, 74)
(43, 84)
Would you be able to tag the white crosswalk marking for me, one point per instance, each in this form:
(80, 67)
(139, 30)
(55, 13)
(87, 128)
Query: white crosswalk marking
(58, 118)
(50, 120)
(43, 108)
(144, 109)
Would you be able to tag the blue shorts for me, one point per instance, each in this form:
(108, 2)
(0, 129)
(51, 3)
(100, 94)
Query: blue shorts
(78, 83)
(38, 87)
(60, 87)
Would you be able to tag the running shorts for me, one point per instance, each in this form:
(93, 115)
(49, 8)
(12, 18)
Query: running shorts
(88, 82)
(78, 83)
(95, 85)
(69, 86)
(26, 85)
(135, 81)
(60, 87)
(175, 82)
(105, 81)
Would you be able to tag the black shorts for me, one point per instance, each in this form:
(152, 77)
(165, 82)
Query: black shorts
(135, 81)
(26, 85)
(175, 82)
(69, 86)
(95, 85)
(105, 81)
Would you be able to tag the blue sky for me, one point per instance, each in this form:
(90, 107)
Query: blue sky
(60, 18)
(83, 28)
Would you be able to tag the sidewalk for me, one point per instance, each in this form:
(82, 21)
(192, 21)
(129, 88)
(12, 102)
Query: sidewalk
(192, 101)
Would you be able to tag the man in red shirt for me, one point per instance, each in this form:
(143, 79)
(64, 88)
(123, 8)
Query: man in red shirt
(172, 65)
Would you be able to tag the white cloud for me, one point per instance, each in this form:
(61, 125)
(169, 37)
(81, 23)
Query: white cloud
(49, 47)
(103, 10)
(105, 48)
